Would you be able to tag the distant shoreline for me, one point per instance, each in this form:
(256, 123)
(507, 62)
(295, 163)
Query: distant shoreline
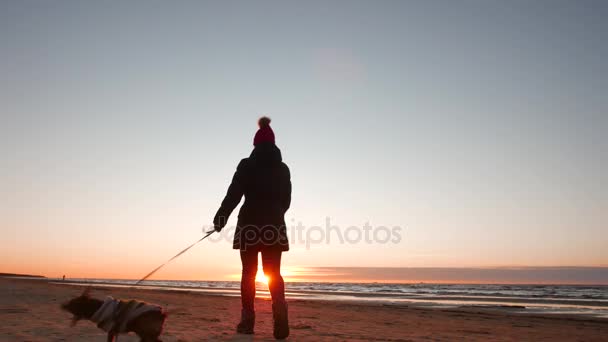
(353, 282)
(524, 275)
(20, 275)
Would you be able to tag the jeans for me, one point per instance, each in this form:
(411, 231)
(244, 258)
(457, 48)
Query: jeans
(271, 263)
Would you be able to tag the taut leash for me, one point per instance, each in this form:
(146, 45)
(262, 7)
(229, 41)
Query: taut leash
(178, 254)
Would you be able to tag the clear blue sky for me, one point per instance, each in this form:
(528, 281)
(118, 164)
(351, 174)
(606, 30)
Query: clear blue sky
(478, 126)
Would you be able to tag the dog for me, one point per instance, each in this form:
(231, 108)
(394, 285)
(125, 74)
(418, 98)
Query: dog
(118, 316)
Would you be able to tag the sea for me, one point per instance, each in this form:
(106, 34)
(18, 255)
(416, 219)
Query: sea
(578, 300)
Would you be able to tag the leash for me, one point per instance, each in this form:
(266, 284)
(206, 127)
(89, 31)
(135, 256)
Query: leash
(178, 254)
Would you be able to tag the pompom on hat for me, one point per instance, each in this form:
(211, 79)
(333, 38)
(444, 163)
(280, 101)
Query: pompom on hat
(264, 133)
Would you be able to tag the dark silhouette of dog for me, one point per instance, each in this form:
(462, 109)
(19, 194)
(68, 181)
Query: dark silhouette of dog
(118, 316)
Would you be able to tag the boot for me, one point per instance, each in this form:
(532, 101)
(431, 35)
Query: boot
(281, 324)
(247, 322)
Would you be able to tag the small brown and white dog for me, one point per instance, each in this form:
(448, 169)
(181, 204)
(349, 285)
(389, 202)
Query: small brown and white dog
(118, 316)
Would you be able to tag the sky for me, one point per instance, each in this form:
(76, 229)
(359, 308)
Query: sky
(478, 128)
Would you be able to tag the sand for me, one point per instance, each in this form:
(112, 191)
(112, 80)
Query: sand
(29, 311)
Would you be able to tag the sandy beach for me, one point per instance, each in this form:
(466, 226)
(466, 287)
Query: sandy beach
(30, 311)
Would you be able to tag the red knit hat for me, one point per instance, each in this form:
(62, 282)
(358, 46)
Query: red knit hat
(265, 133)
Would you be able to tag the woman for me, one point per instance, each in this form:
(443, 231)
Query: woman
(265, 181)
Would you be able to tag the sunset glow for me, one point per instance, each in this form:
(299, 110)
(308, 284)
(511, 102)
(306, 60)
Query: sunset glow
(119, 140)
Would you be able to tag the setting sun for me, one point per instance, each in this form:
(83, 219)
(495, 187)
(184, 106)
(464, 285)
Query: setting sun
(261, 278)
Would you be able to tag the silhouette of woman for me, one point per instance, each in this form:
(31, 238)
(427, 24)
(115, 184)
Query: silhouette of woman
(265, 182)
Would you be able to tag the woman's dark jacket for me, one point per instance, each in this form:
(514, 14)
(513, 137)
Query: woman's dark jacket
(265, 181)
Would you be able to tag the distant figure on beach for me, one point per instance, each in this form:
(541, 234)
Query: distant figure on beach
(63, 279)
(265, 182)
